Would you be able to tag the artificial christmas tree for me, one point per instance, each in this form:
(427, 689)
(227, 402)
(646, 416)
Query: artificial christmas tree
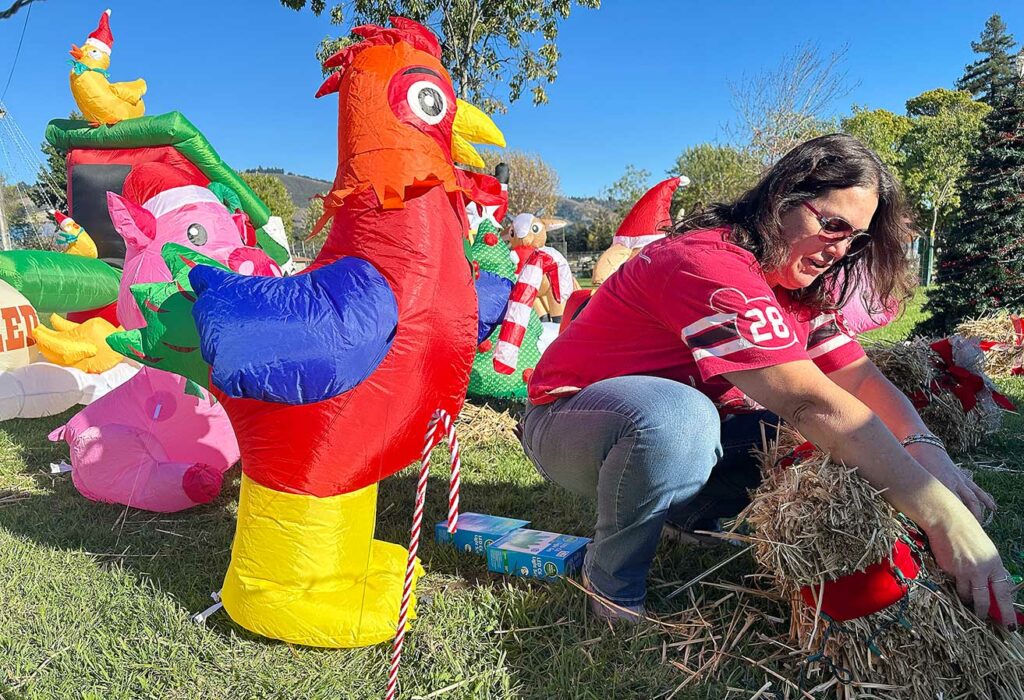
(490, 254)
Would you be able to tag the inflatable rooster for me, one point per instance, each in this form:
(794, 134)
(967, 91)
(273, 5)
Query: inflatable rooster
(331, 377)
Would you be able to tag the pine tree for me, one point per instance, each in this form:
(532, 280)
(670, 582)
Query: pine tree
(981, 269)
(989, 75)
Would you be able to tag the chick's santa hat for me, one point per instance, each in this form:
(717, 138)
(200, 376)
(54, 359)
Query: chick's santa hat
(101, 38)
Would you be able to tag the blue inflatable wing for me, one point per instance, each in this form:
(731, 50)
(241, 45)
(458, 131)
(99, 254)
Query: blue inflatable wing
(492, 292)
(294, 340)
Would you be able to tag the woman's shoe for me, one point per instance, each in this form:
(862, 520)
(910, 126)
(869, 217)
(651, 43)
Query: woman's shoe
(607, 611)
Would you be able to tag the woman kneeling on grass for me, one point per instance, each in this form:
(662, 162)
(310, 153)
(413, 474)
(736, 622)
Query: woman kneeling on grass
(652, 398)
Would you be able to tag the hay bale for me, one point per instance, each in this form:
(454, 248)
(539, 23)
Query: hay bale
(815, 519)
(803, 531)
(914, 368)
(1008, 354)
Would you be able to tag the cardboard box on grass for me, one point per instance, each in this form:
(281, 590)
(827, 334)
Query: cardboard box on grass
(536, 554)
(476, 531)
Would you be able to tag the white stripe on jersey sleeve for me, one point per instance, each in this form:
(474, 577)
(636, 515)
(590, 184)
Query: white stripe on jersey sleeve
(705, 323)
(819, 321)
(829, 345)
(722, 350)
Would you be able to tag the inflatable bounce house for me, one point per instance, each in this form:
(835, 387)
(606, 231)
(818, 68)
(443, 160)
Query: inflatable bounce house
(100, 159)
(135, 183)
(150, 440)
(357, 356)
(83, 282)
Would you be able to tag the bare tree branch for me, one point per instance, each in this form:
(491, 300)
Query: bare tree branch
(18, 4)
(780, 108)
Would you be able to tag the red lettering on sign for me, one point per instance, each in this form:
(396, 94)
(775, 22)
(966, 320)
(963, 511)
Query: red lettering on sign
(31, 321)
(14, 337)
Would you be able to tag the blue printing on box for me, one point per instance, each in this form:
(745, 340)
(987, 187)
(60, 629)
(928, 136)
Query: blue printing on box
(476, 531)
(536, 554)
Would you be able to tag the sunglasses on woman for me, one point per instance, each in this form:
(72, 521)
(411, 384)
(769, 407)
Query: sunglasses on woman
(836, 229)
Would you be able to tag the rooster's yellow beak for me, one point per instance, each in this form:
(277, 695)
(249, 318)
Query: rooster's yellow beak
(472, 126)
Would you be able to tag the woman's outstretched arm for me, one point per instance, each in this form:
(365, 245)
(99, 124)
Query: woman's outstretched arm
(838, 422)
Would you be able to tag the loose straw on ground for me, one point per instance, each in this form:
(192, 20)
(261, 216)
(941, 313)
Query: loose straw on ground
(817, 519)
(813, 520)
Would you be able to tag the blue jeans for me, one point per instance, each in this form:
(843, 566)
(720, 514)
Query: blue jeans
(650, 450)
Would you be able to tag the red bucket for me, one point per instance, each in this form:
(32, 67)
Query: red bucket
(865, 592)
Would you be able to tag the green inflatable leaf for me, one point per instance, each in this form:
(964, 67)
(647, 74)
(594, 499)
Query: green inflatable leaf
(169, 341)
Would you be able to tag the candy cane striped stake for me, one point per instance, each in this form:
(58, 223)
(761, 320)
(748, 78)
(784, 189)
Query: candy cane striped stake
(520, 304)
(455, 481)
(439, 417)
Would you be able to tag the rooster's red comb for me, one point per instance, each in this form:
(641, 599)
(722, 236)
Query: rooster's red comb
(401, 29)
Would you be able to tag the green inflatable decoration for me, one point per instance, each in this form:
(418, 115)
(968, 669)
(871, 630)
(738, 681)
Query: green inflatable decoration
(493, 255)
(169, 341)
(58, 282)
(174, 130)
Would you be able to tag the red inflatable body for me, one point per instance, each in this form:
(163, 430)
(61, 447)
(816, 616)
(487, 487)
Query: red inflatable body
(375, 429)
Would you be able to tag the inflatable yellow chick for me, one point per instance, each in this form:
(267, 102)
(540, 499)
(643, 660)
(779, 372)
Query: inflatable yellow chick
(79, 241)
(101, 101)
(79, 345)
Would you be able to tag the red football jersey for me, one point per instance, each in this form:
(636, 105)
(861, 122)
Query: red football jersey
(690, 308)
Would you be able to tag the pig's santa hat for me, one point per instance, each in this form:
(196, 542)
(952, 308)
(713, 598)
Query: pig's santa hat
(101, 38)
(161, 188)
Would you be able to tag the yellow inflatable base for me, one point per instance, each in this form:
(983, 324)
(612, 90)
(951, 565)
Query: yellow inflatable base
(307, 570)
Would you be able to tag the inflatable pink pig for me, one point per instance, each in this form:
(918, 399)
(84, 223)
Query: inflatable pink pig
(148, 444)
(192, 216)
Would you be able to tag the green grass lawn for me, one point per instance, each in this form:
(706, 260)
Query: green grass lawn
(95, 599)
(903, 326)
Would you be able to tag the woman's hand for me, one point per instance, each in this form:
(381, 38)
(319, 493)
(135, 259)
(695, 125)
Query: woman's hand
(938, 464)
(965, 552)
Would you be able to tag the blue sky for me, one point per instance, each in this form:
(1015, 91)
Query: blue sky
(638, 81)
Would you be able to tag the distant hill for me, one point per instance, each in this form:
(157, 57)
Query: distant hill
(300, 187)
(581, 210)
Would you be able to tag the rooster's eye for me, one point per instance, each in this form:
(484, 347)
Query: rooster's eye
(94, 54)
(196, 234)
(427, 101)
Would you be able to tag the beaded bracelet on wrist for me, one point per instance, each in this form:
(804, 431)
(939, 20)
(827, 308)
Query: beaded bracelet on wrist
(926, 438)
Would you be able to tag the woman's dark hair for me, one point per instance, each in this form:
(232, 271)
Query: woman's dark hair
(813, 168)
